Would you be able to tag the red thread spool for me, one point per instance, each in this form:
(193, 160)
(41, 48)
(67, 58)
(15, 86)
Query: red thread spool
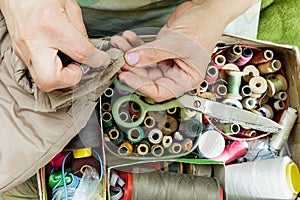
(128, 178)
(58, 159)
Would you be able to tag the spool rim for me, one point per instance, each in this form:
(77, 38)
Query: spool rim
(293, 177)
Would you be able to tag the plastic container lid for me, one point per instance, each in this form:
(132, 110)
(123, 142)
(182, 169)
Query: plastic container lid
(293, 177)
(82, 153)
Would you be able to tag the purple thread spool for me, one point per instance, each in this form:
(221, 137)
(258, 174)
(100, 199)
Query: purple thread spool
(247, 54)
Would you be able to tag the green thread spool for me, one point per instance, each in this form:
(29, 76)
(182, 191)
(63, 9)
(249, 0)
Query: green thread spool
(231, 128)
(116, 136)
(234, 83)
(107, 119)
(275, 84)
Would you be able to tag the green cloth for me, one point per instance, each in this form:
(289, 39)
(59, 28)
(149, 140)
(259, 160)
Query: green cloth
(280, 21)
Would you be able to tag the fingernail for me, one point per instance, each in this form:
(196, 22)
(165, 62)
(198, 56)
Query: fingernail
(132, 58)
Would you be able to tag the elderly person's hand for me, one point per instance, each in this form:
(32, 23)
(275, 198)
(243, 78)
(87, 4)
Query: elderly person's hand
(176, 61)
(40, 29)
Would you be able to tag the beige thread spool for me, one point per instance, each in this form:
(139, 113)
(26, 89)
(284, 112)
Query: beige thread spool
(262, 57)
(264, 100)
(208, 95)
(155, 136)
(157, 150)
(282, 96)
(175, 148)
(106, 107)
(258, 85)
(149, 122)
(269, 67)
(219, 61)
(113, 134)
(249, 103)
(171, 111)
(167, 141)
(250, 71)
(279, 105)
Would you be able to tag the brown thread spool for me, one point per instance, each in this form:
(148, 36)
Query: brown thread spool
(106, 107)
(233, 53)
(258, 85)
(262, 57)
(275, 84)
(250, 71)
(170, 126)
(269, 67)
(264, 99)
(266, 111)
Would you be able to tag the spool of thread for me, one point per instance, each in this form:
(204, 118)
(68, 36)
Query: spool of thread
(266, 111)
(193, 92)
(167, 141)
(248, 133)
(58, 159)
(279, 105)
(208, 95)
(143, 148)
(231, 128)
(78, 165)
(246, 91)
(160, 118)
(116, 136)
(170, 125)
(175, 167)
(175, 148)
(247, 54)
(233, 53)
(155, 136)
(250, 71)
(232, 151)
(282, 96)
(249, 103)
(212, 74)
(226, 68)
(178, 136)
(157, 150)
(109, 92)
(191, 127)
(264, 99)
(211, 144)
(134, 109)
(202, 87)
(149, 122)
(186, 113)
(125, 148)
(219, 61)
(187, 144)
(106, 107)
(124, 115)
(107, 119)
(233, 102)
(287, 122)
(220, 91)
(135, 134)
(260, 181)
(174, 186)
(234, 84)
(172, 111)
(262, 57)
(269, 67)
(199, 169)
(134, 118)
(275, 84)
(258, 85)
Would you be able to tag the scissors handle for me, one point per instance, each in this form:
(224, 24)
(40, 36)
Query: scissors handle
(144, 107)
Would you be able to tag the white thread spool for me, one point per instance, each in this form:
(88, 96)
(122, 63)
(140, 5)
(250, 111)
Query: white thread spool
(233, 102)
(155, 136)
(211, 144)
(276, 178)
(258, 84)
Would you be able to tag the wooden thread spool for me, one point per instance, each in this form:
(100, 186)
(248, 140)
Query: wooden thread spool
(249, 103)
(107, 119)
(157, 150)
(262, 57)
(264, 100)
(279, 105)
(233, 53)
(171, 111)
(143, 148)
(275, 84)
(282, 96)
(234, 84)
(212, 74)
(219, 61)
(106, 107)
(170, 126)
(266, 111)
(269, 67)
(249, 71)
(175, 148)
(247, 54)
(155, 136)
(246, 91)
(125, 148)
(258, 84)
(203, 87)
(226, 68)
(149, 122)
(167, 141)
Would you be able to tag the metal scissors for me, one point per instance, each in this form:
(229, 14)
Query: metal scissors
(214, 109)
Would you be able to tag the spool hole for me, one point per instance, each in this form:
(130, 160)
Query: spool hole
(158, 150)
(123, 116)
(135, 107)
(247, 52)
(135, 134)
(155, 136)
(106, 116)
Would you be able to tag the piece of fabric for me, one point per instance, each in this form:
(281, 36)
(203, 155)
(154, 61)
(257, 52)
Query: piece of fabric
(34, 125)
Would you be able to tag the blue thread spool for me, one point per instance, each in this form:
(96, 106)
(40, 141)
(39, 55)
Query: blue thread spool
(247, 54)
(234, 83)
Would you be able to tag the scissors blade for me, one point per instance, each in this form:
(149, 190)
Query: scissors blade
(230, 113)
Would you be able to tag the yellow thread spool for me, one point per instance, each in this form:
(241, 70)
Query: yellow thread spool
(293, 177)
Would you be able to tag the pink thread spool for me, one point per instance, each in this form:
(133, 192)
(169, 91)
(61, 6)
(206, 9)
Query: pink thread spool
(232, 152)
(247, 54)
(212, 74)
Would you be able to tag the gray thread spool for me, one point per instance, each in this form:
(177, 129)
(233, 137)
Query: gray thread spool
(169, 186)
(287, 122)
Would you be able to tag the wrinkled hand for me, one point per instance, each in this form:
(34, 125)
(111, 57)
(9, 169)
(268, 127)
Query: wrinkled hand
(176, 61)
(40, 29)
